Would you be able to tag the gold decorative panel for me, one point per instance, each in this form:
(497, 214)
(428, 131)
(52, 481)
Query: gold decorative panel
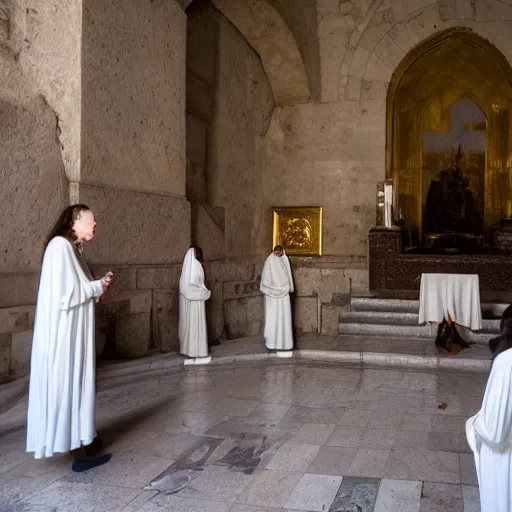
(298, 229)
(439, 72)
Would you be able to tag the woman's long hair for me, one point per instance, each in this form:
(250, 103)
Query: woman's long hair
(64, 224)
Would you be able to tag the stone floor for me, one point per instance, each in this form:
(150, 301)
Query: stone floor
(261, 437)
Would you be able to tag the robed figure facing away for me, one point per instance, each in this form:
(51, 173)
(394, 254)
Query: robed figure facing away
(193, 334)
(276, 285)
(61, 406)
(489, 432)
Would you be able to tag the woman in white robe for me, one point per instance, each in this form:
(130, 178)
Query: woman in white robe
(489, 435)
(61, 407)
(277, 284)
(193, 333)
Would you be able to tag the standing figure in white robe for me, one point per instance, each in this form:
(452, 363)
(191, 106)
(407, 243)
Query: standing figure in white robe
(489, 434)
(193, 333)
(61, 406)
(277, 284)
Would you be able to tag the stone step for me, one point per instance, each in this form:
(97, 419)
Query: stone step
(379, 317)
(390, 352)
(489, 309)
(378, 304)
(409, 331)
(489, 325)
(402, 331)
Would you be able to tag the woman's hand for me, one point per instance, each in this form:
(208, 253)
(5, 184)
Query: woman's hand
(106, 280)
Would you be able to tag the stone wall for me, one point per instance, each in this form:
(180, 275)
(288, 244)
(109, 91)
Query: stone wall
(229, 106)
(327, 155)
(133, 130)
(93, 93)
(33, 185)
(39, 125)
(133, 169)
(301, 17)
(229, 103)
(264, 24)
(161, 283)
(93, 111)
(39, 151)
(208, 220)
(48, 36)
(243, 107)
(322, 286)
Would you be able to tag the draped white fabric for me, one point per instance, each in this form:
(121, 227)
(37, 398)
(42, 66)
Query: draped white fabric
(61, 405)
(193, 294)
(453, 295)
(276, 284)
(489, 435)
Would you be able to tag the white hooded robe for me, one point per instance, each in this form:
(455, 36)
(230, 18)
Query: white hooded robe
(61, 407)
(193, 334)
(276, 284)
(489, 435)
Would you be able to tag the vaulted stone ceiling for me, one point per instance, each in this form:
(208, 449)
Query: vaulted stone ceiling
(301, 17)
(285, 37)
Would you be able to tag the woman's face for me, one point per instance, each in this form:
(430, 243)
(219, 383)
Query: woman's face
(85, 226)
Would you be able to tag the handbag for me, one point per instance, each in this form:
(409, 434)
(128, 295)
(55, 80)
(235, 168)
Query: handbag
(448, 339)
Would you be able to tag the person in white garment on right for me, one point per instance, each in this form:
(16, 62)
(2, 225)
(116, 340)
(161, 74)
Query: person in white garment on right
(277, 284)
(193, 333)
(489, 432)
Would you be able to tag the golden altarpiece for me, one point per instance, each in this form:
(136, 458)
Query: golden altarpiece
(446, 70)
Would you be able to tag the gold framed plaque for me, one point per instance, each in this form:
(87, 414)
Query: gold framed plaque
(298, 229)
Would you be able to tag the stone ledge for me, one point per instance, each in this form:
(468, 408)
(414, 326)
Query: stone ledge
(474, 360)
(252, 351)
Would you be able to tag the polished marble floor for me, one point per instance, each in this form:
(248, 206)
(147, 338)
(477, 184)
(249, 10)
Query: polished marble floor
(263, 437)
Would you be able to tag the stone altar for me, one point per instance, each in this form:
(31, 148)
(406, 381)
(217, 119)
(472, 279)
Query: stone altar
(390, 268)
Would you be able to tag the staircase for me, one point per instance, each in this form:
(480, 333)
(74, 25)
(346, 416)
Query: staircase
(398, 318)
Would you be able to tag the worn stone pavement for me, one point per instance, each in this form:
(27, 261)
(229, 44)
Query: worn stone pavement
(263, 437)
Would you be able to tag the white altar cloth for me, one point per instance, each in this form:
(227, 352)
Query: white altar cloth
(451, 296)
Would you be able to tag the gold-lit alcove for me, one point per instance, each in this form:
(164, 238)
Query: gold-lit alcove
(451, 69)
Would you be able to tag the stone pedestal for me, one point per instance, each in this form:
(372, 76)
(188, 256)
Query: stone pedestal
(392, 270)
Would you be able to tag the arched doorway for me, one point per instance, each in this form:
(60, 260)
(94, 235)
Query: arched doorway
(453, 68)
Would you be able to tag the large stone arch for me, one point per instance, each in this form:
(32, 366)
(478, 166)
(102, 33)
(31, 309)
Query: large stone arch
(389, 31)
(433, 76)
(269, 35)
